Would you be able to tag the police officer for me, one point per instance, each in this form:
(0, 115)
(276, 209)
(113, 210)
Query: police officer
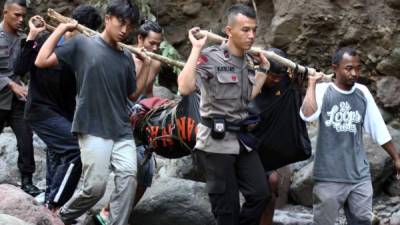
(12, 91)
(227, 81)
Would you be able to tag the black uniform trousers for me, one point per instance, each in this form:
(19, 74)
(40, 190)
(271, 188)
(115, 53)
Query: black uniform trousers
(23, 133)
(226, 175)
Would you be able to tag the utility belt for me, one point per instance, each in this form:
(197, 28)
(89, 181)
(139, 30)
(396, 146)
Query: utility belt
(219, 125)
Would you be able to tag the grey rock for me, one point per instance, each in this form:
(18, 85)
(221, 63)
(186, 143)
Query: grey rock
(393, 3)
(292, 218)
(7, 219)
(15, 202)
(192, 9)
(388, 91)
(284, 30)
(180, 168)
(173, 201)
(395, 218)
(302, 184)
(9, 172)
(391, 64)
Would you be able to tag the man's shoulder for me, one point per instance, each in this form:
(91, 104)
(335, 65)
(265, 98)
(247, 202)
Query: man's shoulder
(212, 51)
(322, 87)
(361, 87)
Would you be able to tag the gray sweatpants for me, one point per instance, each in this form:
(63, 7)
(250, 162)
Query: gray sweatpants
(99, 157)
(355, 199)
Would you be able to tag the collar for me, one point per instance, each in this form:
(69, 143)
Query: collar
(346, 92)
(234, 60)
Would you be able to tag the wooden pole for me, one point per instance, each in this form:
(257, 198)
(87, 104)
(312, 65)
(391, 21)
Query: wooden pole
(269, 54)
(88, 32)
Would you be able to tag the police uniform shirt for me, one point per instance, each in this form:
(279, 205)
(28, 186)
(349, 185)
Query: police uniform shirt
(10, 45)
(225, 82)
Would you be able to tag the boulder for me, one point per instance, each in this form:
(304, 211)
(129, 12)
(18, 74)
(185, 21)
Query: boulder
(180, 168)
(292, 218)
(395, 218)
(387, 91)
(395, 4)
(174, 201)
(390, 65)
(192, 9)
(7, 219)
(9, 172)
(284, 30)
(15, 202)
(302, 185)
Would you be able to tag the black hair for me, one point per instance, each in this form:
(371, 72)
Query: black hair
(124, 9)
(148, 26)
(236, 9)
(276, 67)
(338, 55)
(19, 2)
(88, 16)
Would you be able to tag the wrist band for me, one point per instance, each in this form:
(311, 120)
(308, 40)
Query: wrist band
(262, 70)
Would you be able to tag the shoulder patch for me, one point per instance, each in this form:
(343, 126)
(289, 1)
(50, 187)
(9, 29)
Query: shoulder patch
(202, 59)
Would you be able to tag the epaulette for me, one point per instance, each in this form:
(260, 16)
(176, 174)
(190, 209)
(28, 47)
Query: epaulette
(212, 48)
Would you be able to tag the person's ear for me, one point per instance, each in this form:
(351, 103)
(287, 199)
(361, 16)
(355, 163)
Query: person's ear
(140, 38)
(107, 19)
(228, 31)
(334, 67)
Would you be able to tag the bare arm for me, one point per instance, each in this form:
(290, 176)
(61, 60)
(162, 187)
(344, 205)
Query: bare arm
(46, 56)
(142, 70)
(310, 106)
(260, 76)
(187, 77)
(392, 151)
(260, 80)
(153, 72)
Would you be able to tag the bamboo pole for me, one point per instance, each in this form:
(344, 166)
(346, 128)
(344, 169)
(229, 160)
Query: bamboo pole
(88, 32)
(269, 54)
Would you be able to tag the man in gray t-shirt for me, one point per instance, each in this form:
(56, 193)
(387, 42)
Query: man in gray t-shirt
(341, 171)
(105, 75)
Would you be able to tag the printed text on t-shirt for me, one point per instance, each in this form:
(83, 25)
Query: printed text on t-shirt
(342, 119)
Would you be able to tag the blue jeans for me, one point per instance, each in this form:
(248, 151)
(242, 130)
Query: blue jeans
(146, 172)
(64, 165)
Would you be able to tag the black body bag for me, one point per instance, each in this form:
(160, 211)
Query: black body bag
(282, 134)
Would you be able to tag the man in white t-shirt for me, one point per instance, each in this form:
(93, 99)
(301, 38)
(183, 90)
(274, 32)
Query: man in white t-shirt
(344, 109)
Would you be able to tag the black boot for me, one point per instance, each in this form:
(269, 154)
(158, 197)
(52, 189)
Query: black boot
(28, 187)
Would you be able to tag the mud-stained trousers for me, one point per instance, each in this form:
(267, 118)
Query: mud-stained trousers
(99, 157)
(226, 175)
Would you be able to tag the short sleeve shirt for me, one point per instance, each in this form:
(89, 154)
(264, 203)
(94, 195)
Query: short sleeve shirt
(225, 82)
(105, 78)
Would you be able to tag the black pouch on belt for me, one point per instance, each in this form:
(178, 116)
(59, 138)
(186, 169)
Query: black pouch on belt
(218, 128)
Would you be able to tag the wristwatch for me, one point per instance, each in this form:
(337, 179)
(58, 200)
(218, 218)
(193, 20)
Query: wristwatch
(263, 69)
